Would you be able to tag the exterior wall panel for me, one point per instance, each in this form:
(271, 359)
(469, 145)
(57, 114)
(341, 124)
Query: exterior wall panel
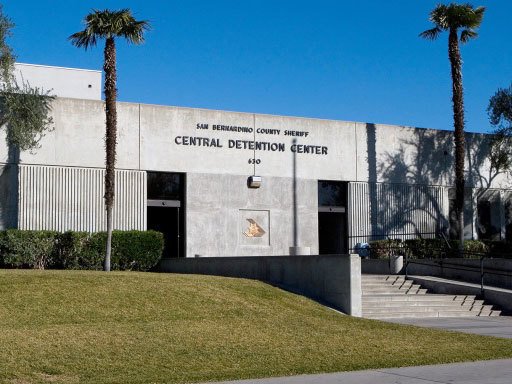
(64, 198)
(218, 210)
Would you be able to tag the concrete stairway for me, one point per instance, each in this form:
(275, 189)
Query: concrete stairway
(391, 297)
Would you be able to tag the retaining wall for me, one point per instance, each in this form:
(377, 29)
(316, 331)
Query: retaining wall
(332, 279)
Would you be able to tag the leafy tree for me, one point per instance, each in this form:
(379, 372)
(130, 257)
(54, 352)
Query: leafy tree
(6, 53)
(460, 21)
(109, 25)
(500, 117)
(24, 110)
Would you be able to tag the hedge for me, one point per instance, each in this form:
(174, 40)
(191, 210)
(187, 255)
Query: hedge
(499, 248)
(428, 248)
(27, 249)
(380, 249)
(131, 250)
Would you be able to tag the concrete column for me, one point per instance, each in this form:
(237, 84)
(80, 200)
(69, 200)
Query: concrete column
(356, 300)
(396, 264)
(300, 251)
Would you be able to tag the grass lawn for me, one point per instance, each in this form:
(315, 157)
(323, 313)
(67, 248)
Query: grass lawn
(93, 327)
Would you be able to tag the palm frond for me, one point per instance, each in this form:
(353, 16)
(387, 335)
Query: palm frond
(454, 17)
(83, 39)
(104, 24)
(431, 34)
(467, 34)
(438, 16)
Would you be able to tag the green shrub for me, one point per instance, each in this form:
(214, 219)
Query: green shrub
(472, 249)
(136, 250)
(131, 250)
(76, 252)
(425, 248)
(381, 249)
(28, 249)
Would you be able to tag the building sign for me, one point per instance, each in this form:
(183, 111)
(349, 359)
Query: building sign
(248, 144)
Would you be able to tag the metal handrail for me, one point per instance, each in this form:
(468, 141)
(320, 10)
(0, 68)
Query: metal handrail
(387, 235)
(468, 268)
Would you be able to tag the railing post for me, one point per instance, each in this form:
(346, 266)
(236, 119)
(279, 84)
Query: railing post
(406, 264)
(482, 275)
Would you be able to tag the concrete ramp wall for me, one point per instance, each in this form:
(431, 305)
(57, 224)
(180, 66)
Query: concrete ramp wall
(333, 279)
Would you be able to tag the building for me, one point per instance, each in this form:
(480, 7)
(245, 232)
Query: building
(325, 185)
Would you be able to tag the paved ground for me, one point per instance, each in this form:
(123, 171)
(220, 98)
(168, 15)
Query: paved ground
(481, 372)
(490, 326)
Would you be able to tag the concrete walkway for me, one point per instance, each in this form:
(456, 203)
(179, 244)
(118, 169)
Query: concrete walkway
(481, 372)
(500, 326)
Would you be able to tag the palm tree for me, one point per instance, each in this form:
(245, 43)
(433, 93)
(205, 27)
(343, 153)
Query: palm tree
(108, 25)
(466, 19)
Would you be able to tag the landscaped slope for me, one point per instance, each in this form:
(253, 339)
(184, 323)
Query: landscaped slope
(94, 327)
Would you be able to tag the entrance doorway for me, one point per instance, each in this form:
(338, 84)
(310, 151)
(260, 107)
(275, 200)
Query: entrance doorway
(331, 231)
(332, 217)
(164, 216)
(165, 210)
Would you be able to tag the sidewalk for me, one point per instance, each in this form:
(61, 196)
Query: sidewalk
(500, 326)
(481, 372)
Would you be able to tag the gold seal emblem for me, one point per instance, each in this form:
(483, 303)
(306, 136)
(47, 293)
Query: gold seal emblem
(254, 229)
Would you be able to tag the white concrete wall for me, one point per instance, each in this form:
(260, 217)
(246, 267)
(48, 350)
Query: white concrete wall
(332, 279)
(62, 82)
(218, 207)
(148, 135)
(162, 126)
(152, 138)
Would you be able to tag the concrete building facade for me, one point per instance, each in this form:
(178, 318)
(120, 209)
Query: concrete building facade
(325, 185)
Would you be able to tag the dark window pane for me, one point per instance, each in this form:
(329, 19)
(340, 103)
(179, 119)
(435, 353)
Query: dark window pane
(484, 220)
(488, 220)
(332, 193)
(508, 219)
(165, 186)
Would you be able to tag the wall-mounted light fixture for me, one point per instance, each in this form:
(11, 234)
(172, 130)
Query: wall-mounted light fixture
(254, 181)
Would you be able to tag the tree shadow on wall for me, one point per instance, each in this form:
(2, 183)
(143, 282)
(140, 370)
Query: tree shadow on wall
(9, 189)
(407, 201)
(482, 171)
(410, 173)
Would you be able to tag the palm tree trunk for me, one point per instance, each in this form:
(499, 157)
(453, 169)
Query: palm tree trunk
(458, 120)
(110, 140)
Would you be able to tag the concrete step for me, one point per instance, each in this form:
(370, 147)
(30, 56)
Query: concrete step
(425, 304)
(485, 310)
(395, 285)
(389, 296)
(403, 315)
(416, 290)
(383, 277)
(440, 312)
(477, 311)
(387, 278)
(386, 281)
(392, 288)
(428, 297)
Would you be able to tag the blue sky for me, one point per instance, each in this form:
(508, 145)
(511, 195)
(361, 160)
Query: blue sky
(357, 60)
